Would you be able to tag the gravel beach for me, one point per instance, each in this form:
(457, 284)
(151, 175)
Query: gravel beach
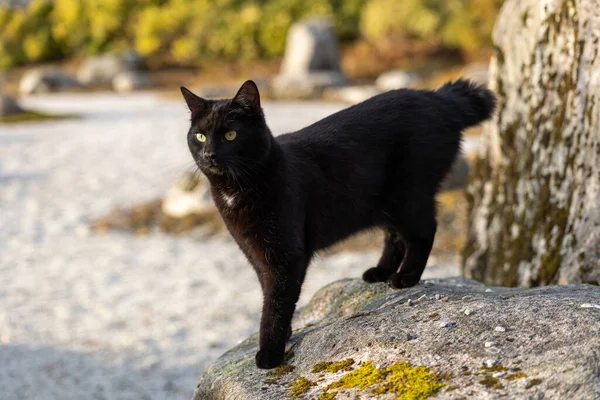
(118, 316)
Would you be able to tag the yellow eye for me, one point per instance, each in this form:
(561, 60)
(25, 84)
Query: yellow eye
(230, 135)
(200, 137)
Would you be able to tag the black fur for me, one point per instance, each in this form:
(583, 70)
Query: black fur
(376, 164)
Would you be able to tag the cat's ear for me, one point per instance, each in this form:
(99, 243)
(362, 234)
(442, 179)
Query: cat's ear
(196, 104)
(248, 96)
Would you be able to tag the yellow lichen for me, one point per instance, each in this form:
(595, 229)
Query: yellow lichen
(433, 315)
(409, 383)
(532, 383)
(402, 379)
(281, 370)
(363, 377)
(516, 375)
(332, 367)
(300, 387)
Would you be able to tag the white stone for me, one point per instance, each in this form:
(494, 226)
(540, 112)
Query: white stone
(396, 79)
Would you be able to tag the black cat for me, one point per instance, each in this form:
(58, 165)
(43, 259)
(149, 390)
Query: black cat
(376, 164)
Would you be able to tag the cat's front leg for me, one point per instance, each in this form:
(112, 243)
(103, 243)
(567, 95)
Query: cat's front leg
(281, 290)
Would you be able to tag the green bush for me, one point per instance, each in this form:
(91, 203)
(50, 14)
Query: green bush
(461, 24)
(186, 31)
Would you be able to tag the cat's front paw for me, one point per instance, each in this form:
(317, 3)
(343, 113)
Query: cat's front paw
(401, 281)
(375, 274)
(268, 359)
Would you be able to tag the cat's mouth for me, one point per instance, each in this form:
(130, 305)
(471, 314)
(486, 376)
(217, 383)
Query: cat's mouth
(212, 169)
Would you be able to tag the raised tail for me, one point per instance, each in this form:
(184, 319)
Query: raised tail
(475, 103)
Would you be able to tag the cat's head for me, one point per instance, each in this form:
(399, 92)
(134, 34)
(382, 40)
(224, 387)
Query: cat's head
(230, 135)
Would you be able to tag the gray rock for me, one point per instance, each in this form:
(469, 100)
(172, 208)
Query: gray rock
(556, 346)
(43, 80)
(103, 69)
(311, 61)
(396, 79)
(9, 106)
(129, 81)
(190, 194)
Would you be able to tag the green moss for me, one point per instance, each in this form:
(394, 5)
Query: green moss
(516, 375)
(33, 116)
(327, 396)
(270, 381)
(332, 367)
(524, 17)
(358, 314)
(495, 368)
(533, 382)
(300, 387)
(491, 382)
(433, 315)
(281, 370)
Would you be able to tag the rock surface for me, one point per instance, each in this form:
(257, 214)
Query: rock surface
(311, 61)
(535, 192)
(547, 347)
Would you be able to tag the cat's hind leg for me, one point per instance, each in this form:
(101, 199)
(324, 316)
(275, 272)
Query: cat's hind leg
(393, 254)
(419, 240)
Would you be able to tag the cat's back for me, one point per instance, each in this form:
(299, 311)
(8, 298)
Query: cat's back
(392, 115)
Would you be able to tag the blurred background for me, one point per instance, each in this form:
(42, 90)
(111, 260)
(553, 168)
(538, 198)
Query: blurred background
(117, 278)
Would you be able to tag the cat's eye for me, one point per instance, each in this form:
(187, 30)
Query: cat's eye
(230, 135)
(200, 137)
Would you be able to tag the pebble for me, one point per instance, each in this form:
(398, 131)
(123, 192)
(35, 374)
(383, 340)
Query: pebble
(409, 302)
(489, 291)
(499, 374)
(437, 296)
(445, 299)
(468, 312)
(447, 324)
(500, 329)
(489, 344)
(589, 305)
(489, 363)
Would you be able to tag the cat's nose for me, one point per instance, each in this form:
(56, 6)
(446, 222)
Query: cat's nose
(210, 156)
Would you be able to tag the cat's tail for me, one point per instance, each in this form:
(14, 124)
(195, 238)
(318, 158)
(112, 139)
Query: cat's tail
(475, 102)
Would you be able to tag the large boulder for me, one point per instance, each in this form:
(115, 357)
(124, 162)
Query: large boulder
(311, 61)
(454, 337)
(45, 79)
(103, 69)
